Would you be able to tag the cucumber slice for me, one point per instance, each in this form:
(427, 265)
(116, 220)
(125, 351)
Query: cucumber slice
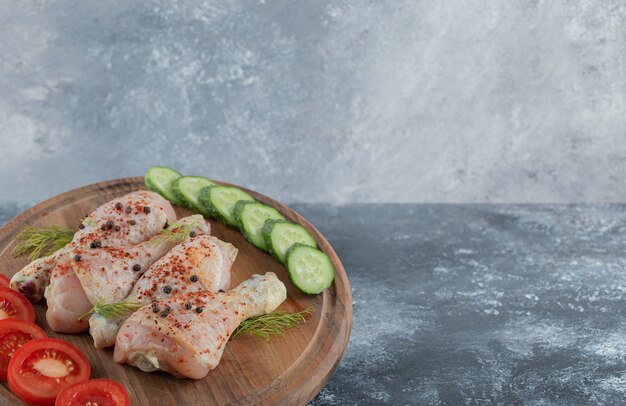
(187, 189)
(280, 235)
(251, 217)
(220, 202)
(309, 269)
(160, 179)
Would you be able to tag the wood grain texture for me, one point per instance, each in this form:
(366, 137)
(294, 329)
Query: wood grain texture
(287, 370)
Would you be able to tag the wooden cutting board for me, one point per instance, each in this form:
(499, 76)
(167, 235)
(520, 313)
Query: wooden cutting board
(287, 370)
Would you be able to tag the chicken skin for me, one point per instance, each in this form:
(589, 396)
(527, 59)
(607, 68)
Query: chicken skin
(188, 339)
(200, 263)
(106, 274)
(117, 223)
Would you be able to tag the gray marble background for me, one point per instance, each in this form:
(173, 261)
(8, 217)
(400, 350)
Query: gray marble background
(319, 101)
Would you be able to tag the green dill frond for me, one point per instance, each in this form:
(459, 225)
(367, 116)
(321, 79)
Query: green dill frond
(271, 324)
(111, 310)
(41, 241)
(176, 233)
(88, 221)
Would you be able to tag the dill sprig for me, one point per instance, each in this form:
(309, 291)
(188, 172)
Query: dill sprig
(111, 310)
(271, 324)
(41, 241)
(88, 221)
(175, 233)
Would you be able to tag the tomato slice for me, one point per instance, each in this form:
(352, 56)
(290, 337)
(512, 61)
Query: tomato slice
(101, 392)
(44, 367)
(14, 333)
(14, 305)
(4, 281)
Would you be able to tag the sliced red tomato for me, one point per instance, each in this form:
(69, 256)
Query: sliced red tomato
(14, 305)
(101, 392)
(4, 280)
(42, 368)
(14, 333)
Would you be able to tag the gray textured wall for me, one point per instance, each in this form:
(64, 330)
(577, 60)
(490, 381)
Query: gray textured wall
(403, 101)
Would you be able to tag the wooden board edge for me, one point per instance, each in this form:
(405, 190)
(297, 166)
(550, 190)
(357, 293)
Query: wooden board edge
(301, 390)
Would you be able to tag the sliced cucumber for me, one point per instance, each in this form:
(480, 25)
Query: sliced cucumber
(309, 269)
(251, 217)
(160, 179)
(280, 235)
(187, 189)
(220, 202)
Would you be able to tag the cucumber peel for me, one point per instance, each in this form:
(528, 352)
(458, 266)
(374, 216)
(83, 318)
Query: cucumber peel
(220, 202)
(251, 217)
(187, 189)
(159, 179)
(280, 235)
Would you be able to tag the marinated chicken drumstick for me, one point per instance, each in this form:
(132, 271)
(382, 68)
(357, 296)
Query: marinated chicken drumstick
(197, 264)
(127, 220)
(185, 335)
(89, 275)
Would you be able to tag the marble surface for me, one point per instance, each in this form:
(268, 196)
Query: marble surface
(478, 304)
(319, 101)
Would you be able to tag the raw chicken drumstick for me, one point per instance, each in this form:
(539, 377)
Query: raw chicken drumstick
(119, 213)
(186, 334)
(197, 264)
(89, 275)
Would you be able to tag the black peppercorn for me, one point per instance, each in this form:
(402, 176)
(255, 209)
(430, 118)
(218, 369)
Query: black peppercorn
(81, 226)
(146, 209)
(163, 314)
(118, 206)
(136, 267)
(93, 245)
(133, 222)
(117, 228)
(110, 224)
(155, 308)
(128, 209)
(188, 306)
(194, 278)
(76, 257)
(167, 289)
(192, 234)
(102, 227)
(167, 309)
(199, 309)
